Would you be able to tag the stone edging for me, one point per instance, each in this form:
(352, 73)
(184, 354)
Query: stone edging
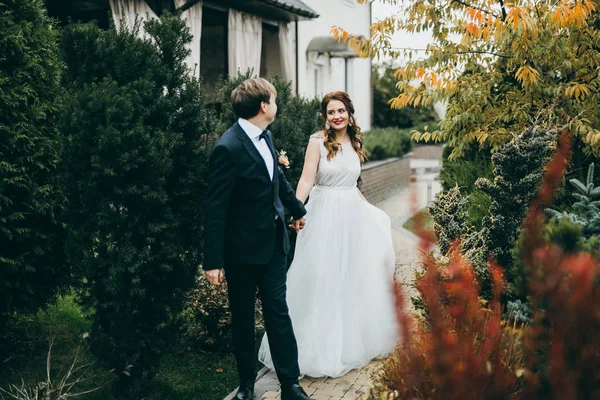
(261, 373)
(380, 163)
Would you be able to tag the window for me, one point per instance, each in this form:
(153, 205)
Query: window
(270, 55)
(213, 48)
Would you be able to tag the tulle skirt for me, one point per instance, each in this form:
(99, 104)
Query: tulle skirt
(340, 285)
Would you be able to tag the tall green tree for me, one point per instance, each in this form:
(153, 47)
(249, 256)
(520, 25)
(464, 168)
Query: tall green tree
(32, 264)
(384, 89)
(137, 137)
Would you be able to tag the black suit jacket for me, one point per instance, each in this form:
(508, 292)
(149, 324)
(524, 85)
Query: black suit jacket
(242, 202)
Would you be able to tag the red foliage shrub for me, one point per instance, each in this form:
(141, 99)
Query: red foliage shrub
(466, 351)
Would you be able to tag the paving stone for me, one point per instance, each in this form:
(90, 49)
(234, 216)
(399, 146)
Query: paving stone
(305, 384)
(327, 386)
(310, 391)
(356, 391)
(330, 392)
(269, 388)
(344, 385)
(317, 385)
(270, 395)
(341, 379)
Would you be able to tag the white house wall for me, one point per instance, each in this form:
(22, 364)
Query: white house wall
(354, 18)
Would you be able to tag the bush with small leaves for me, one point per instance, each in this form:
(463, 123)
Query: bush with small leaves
(518, 172)
(32, 263)
(207, 317)
(137, 137)
(382, 143)
(587, 208)
(449, 216)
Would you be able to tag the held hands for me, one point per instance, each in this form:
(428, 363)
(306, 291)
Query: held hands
(214, 276)
(297, 225)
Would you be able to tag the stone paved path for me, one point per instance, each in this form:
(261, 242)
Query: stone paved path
(356, 383)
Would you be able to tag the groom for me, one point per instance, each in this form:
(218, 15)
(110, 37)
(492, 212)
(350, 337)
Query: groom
(245, 235)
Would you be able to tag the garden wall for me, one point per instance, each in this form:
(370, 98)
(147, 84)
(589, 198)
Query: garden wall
(382, 178)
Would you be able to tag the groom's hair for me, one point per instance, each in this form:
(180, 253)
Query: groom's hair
(246, 98)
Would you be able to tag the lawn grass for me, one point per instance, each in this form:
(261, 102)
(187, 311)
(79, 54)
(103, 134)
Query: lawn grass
(186, 373)
(427, 221)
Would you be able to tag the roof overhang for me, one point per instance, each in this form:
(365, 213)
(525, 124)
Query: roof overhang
(280, 10)
(329, 45)
(296, 7)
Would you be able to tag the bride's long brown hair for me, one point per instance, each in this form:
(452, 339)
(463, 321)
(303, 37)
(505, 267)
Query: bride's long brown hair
(353, 129)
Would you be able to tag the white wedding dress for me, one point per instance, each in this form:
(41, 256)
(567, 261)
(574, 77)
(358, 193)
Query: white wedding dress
(340, 284)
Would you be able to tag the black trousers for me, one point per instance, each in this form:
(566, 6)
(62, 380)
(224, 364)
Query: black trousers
(270, 279)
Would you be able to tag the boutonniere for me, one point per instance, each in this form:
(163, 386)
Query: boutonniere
(283, 159)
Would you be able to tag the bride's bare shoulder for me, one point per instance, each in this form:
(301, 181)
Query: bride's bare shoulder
(317, 135)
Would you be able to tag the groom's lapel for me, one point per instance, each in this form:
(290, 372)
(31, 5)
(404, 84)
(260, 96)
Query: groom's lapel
(251, 148)
(273, 153)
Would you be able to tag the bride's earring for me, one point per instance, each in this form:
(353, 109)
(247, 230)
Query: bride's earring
(327, 126)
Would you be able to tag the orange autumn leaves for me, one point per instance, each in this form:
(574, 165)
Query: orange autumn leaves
(478, 31)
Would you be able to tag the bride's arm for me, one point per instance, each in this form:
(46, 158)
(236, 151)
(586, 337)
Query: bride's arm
(309, 172)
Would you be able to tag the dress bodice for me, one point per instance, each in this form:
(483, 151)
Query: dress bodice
(343, 170)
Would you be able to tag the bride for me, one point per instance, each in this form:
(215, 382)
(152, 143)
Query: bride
(340, 284)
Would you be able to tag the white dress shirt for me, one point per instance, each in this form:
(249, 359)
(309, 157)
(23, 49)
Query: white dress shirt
(253, 133)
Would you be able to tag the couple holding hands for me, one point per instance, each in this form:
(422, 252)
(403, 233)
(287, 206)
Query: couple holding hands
(334, 310)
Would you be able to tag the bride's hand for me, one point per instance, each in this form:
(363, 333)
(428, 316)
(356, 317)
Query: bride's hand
(297, 225)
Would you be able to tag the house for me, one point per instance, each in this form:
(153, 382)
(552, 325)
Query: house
(286, 37)
(324, 65)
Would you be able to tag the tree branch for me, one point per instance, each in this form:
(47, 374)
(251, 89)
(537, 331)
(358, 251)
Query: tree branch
(457, 52)
(476, 8)
(484, 52)
(503, 10)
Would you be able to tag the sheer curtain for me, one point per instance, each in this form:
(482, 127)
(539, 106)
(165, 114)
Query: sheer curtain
(245, 42)
(193, 19)
(125, 12)
(288, 54)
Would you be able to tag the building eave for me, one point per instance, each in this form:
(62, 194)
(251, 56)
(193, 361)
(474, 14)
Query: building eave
(297, 7)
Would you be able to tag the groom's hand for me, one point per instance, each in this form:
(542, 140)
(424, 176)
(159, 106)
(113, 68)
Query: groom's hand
(214, 276)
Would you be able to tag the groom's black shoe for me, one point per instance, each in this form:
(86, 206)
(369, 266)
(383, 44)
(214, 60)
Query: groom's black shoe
(245, 392)
(293, 392)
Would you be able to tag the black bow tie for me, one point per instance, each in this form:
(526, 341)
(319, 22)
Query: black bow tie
(263, 135)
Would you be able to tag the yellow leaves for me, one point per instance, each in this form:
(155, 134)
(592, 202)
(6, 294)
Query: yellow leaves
(527, 75)
(426, 136)
(339, 34)
(577, 91)
(399, 73)
(482, 24)
(519, 16)
(572, 13)
(399, 101)
(363, 48)
(413, 98)
(593, 137)
(419, 72)
(476, 15)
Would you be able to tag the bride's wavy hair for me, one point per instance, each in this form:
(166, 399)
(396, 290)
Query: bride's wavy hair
(353, 129)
